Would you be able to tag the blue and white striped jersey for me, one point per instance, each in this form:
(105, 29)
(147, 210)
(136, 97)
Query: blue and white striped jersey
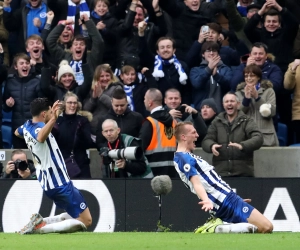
(49, 163)
(188, 165)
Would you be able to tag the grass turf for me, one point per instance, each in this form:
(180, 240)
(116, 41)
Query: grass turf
(138, 241)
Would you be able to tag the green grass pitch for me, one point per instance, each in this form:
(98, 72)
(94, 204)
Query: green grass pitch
(157, 241)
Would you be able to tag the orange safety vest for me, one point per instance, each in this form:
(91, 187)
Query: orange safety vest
(160, 144)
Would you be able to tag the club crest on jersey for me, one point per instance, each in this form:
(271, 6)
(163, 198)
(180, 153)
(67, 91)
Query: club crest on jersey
(245, 209)
(187, 167)
(82, 205)
(37, 130)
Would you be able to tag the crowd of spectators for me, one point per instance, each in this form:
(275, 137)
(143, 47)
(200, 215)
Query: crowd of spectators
(149, 64)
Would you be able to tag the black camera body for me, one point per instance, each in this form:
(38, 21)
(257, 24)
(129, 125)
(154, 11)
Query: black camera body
(22, 165)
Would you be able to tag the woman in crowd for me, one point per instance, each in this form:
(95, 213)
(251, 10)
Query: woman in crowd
(259, 102)
(72, 132)
(66, 82)
(99, 101)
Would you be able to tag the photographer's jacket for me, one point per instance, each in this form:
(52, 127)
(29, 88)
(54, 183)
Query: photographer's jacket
(133, 168)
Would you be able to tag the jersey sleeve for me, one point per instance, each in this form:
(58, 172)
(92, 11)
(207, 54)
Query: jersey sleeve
(20, 130)
(36, 129)
(187, 166)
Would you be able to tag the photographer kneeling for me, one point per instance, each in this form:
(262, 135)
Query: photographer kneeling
(19, 166)
(118, 165)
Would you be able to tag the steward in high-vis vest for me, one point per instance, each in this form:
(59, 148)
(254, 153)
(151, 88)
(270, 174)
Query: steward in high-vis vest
(159, 142)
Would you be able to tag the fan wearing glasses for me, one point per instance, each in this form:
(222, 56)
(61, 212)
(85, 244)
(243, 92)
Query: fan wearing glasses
(72, 132)
(212, 78)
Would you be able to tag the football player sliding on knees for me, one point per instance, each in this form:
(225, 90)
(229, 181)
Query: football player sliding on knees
(217, 197)
(52, 174)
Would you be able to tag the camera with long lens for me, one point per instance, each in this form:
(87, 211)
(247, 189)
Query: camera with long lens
(129, 153)
(21, 165)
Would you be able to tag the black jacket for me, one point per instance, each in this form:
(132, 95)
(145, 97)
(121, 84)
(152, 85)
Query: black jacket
(171, 78)
(280, 42)
(94, 57)
(64, 131)
(130, 123)
(129, 40)
(17, 21)
(109, 35)
(186, 23)
(23, 91)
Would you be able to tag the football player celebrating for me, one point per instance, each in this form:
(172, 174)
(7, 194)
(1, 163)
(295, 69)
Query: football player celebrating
(52, 174)
(216, 196)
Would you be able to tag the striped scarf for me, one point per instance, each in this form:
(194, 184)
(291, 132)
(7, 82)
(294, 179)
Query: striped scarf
(77, 68)
(158, 68)
(129, 94)
(83, 9)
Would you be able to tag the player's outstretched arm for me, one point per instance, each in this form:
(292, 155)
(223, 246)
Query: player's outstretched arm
(45, 131)
(206, 202)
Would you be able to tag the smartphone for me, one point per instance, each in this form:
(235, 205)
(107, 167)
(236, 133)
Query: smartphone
(205, 29)
(181, 109)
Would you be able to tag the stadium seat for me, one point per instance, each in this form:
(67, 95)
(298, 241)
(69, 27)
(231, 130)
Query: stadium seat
(6, 137)
(282, 134)
(6, 118)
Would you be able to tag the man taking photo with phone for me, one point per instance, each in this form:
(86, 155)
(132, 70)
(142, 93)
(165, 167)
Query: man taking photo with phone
(183, 112)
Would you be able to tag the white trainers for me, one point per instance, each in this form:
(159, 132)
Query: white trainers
(36, 222)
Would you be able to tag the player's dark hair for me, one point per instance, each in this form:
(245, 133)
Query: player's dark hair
(119, 94)
(39, 105)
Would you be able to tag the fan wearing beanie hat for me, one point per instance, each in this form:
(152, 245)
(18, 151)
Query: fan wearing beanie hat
(65, 74)
(209, 111)
(211, 103)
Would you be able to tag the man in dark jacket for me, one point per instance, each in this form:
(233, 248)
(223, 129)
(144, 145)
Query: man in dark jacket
(168, 71)
(187, 18)
(270, 71)
(129, 37)
(212, 78)
(278, 32)
(128, 121)
(183, 112)
(74, 56)
(232, 138)
(229, 56)
(157, 136)
(27, 20)
(20, 89)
